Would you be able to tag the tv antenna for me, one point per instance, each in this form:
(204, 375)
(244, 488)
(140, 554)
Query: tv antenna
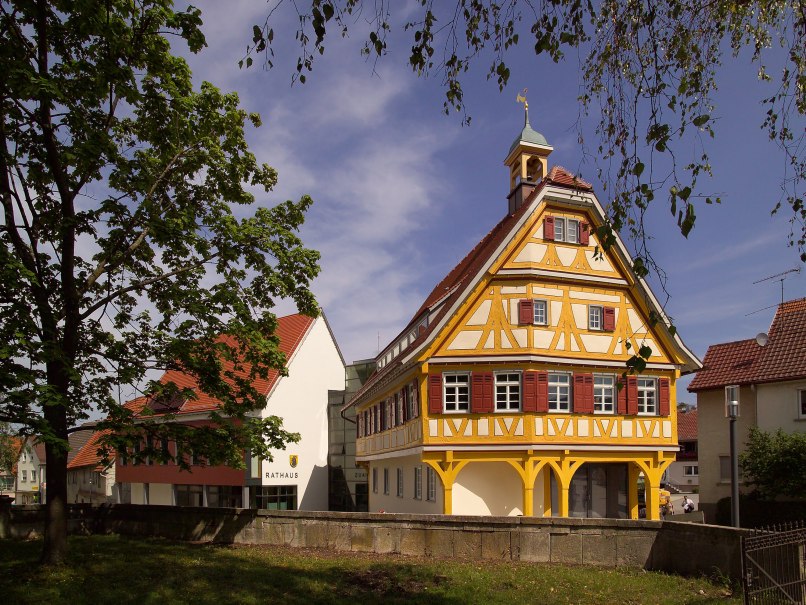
(779, 277)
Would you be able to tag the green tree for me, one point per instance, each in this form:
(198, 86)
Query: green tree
(121, 251)
(773, 463)
(649, 70)
(7, 450)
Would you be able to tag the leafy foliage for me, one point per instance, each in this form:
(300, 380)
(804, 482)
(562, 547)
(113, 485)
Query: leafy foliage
(8, 453)
(122, 253)
(772, 463)
(649, 71)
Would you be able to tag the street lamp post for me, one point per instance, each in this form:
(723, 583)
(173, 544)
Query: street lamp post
(732, 413)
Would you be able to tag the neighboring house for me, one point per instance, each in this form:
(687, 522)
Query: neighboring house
(8, 476)
(30, 483)
(683, 473)
(88, 478)
(297, 478)
(500, 396)
(770, 371)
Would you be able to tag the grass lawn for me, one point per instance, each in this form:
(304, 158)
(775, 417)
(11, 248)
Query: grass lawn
(118, 570)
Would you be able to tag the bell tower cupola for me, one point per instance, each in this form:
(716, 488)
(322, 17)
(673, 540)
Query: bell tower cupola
(527, 160)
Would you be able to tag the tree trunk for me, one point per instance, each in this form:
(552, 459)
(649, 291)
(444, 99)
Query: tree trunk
(54, 551)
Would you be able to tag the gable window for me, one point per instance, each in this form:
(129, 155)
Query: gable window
(572, 231)
(802, 404)
(559, 392)
(603, 393)
(508, 391)
(647, 396)
(541, 312)
(559, 229)
(456, 392)
(595, 314)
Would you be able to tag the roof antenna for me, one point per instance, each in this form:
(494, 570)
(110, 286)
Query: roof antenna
(780, 277)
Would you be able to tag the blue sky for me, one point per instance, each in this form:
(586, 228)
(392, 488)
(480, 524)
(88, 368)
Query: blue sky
(402, 192)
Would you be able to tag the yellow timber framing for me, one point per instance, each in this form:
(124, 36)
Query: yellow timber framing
(564, 464)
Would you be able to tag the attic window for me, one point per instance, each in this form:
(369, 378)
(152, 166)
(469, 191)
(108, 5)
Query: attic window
(568, 230)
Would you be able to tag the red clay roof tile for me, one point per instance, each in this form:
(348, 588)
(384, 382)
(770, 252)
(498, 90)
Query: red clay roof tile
(747, 362)
(687, 425)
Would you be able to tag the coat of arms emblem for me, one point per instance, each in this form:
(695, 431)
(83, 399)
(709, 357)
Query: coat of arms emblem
(293, 459)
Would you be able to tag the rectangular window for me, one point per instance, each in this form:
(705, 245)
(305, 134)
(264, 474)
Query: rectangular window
(724, 469)
(224, 496)
(400, 483)
(418, 482)
(559, 392)
(166, 453)
(189, 495)
(541, 312)
(411, 401)
(692, 470)
(456, 392)
(559, 229)
(386, 481)
(275, 497)
(802, 404)
(384, 418)
(508, 391)
(33, 476)
(604, 391)
(24, 476)
(431, 488)
(595, 317)
(375, 480)
(572, 231)
(647, 396)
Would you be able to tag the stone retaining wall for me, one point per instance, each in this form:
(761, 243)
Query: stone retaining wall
(669, 546)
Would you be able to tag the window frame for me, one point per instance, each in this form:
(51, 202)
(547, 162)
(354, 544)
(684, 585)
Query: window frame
(375, 480)
(418, 482)
(553, 407)
(466, 404)
(569, 230)
(559, 229)
(643, 391)
(600, 388)
(801, 404)
(399, 482)
(385, 481)
(508, 385)
(596, 315)
(695, 473)
(431, 484)
(538, 303)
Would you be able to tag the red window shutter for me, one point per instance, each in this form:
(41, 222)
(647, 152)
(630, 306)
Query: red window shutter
(548, 228)
(663, 387)
(584, 234)
(583, 393)
(542, 402)
(435, 393)
(608, 319)
(622, 397)
(632, 395)
(530, 391)
(481, 392)
(526, 311)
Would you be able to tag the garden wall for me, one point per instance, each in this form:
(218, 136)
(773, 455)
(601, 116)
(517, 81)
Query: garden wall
(675, 547)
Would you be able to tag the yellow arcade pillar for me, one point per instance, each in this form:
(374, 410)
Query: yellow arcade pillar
(633, 471)
(547, 490)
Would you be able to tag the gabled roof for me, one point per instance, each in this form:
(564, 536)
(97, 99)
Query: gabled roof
(687, 425)
(88, 454)
(79, 439)
(291, 331)
(783, 357)
(454, 285)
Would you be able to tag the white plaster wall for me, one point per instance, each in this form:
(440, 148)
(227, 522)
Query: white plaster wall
(391, 503)
(778, 406)
(137, 493)
(300, 399)
(676, 474)
(488, 488)
(159, 493)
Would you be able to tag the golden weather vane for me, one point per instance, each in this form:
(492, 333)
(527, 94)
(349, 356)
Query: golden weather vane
(521, 98)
